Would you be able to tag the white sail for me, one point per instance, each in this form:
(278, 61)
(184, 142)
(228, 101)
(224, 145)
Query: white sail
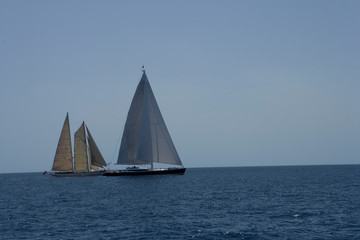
(63, 156)
(145, 138)
(80, 150)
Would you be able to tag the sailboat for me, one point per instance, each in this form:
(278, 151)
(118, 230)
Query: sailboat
(146, 140)
(87, 157)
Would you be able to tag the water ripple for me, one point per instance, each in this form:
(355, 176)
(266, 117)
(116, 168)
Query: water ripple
(318, 202)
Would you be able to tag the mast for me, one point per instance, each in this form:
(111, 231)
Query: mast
(87, 149)
(71, 150)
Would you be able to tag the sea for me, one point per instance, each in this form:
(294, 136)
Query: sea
(295, 202)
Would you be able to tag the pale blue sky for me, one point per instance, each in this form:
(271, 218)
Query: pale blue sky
(239, 83)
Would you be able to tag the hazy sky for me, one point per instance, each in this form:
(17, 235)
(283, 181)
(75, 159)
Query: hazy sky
(239, 83)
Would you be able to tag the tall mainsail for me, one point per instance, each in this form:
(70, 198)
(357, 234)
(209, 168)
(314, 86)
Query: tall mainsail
(145, 138)
(63, 156)
(80, 150)
(96, 159)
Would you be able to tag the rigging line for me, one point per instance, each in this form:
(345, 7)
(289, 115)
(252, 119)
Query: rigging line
(115, 148)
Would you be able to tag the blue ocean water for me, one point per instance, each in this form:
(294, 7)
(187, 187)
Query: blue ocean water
(302, 202)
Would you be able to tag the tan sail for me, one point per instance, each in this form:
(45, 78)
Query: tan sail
(92, 167)
(63, 156)
(80, 153)
(96, 159)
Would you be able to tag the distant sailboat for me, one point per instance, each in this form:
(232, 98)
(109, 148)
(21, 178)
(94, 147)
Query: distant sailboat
(87, 157)
(146, 139)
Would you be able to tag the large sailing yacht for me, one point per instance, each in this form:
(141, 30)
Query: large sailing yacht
(146, 141)
(87, 157)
